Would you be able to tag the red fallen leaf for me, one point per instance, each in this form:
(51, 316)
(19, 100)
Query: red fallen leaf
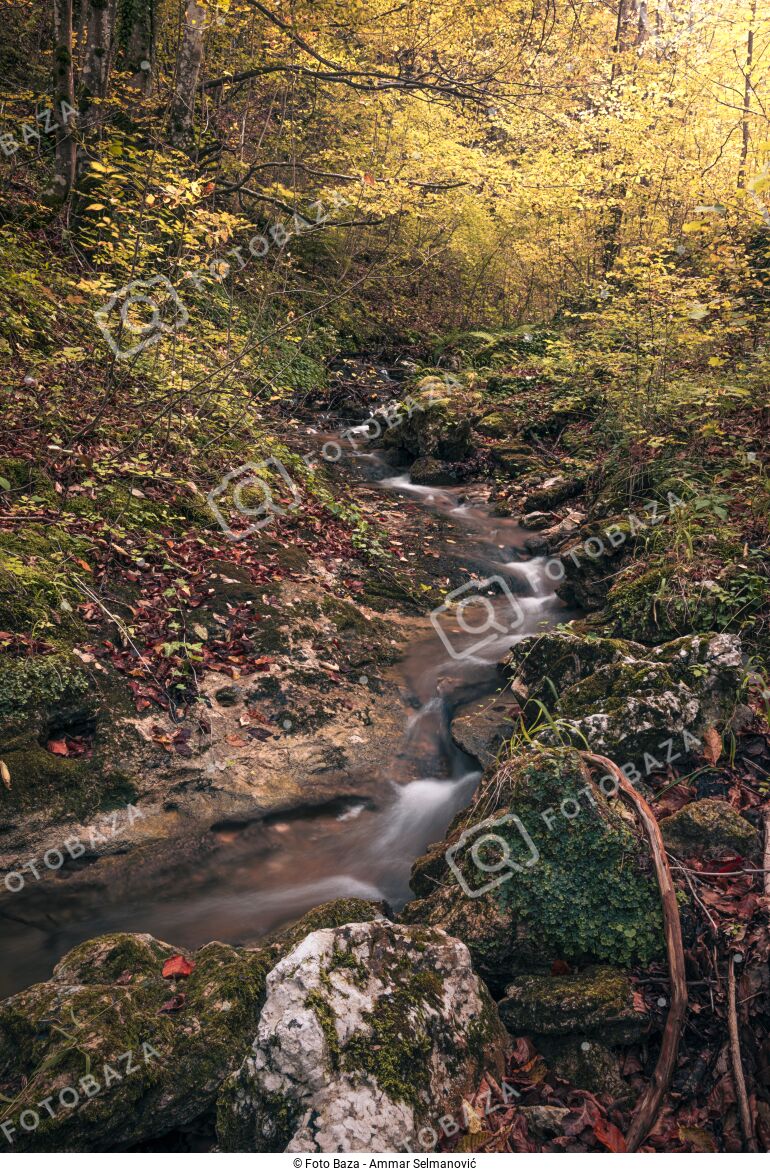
(712, 745)
(734, 864)
(610, 1136)
(177, 967)
(559, 968)
(59, 747)
(581, 1117)
(175, 1003)
(521, 1051)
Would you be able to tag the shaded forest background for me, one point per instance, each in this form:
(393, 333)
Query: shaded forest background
(575, 194)
(471, 164)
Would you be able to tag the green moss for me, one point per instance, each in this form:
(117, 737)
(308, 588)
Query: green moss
(28, 596)
(107, 999)
(609, 689)
(585, 893)
(592, 893)
(39, 682)
(498, 424)
(41, 780)
(674, 598)
(514, 458)
(395, 1047)
(26, 481)
(564, 659)
(598, 1000)
(331, 915)
(327, 1021)
(347, 960)
(103, 959)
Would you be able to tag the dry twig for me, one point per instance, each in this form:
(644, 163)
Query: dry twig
(737, 1063)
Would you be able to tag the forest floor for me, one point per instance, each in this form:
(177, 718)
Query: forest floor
(152, 662)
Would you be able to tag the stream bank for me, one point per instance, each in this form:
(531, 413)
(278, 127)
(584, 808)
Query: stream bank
(566, 935)
(258, 855)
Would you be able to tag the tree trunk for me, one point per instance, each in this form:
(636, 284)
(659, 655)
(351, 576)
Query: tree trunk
(188, 70)
(625, 13)
(138, 43)
(745, 129)
(95, 74)
(64, 104)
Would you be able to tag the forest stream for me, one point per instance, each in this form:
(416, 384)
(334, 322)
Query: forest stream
(384, 579)
(268, 872)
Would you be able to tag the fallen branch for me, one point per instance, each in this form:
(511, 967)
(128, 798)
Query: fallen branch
(648, 1107)
(737, 1062)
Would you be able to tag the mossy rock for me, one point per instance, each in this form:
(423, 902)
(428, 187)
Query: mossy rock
(578, 884)
(43, 781)
(369, 1033)
(106, 998)
(598, 1001)
(58, 1033)
(554, 492)
(586, 1064)
(441, 429)
(514, 458)
(40, 695)
(498, 424)
(627, 701)
(33, 688)
(547, 664)
(709, 829)
(330, 915)
(591, 562)
(480, 729)
(428, 471)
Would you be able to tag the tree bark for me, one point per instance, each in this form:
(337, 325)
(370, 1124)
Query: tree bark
(188, 69)
(64, 104)
(745, 130)
(94, 78)
(138, 41)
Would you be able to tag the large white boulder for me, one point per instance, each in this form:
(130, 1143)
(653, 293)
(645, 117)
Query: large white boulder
(370, 1033)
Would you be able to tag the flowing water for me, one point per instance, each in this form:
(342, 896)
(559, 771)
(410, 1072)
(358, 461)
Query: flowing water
(260, 876)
